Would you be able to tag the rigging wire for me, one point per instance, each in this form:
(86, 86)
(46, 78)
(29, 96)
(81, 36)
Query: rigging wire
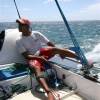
(17, 9)
(76, 44)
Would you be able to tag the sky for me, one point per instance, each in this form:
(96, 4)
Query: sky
(46, 10)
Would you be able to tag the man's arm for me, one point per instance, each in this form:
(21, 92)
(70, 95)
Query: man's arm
(32, 57)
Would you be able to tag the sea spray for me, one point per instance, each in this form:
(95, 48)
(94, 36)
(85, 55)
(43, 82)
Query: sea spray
(94, 55)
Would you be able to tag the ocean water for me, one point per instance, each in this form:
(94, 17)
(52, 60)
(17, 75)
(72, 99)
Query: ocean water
(87, 34)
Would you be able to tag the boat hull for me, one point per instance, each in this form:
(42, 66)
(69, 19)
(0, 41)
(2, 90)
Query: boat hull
(82, 86)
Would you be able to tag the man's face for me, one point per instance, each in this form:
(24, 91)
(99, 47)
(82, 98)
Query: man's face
(23, 27)
(20, 27)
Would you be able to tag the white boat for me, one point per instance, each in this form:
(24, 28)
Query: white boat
(16, 83)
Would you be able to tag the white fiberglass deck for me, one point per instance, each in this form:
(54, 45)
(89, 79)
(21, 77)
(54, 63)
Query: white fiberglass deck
(64, 94)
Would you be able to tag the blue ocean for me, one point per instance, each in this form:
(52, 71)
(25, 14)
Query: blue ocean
(87, 34)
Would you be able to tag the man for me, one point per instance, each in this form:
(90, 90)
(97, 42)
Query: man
(30, 46)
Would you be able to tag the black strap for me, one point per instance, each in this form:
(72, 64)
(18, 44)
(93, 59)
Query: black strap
(40, 76)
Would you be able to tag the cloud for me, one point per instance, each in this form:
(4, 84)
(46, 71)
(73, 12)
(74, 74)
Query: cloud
(49, 1)
(65, 0)
(91, 8)
(5, 6)
(26, 9)
(91, 12)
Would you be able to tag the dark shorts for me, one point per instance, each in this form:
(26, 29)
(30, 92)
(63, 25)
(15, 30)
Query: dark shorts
(39, 64)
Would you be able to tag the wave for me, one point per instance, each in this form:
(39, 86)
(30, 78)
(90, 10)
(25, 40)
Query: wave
(94, 55)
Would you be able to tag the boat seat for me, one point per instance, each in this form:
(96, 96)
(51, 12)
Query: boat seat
(13, 70)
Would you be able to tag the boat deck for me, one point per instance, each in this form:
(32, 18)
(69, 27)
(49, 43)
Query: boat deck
(64, 94)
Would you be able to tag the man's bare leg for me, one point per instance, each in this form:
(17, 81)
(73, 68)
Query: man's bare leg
(43, 83)
(63, 52)
(66, 53)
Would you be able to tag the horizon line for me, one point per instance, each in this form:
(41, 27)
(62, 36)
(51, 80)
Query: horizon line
(53, 21)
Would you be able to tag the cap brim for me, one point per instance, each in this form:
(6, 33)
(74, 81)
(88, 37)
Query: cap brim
(17, 21)
(23, 21)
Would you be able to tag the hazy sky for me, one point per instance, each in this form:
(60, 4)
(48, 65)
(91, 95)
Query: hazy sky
(46, 10)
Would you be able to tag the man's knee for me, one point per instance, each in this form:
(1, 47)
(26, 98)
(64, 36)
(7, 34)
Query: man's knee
(54, 50)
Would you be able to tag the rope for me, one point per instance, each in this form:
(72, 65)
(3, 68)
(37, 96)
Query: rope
(80, 52)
